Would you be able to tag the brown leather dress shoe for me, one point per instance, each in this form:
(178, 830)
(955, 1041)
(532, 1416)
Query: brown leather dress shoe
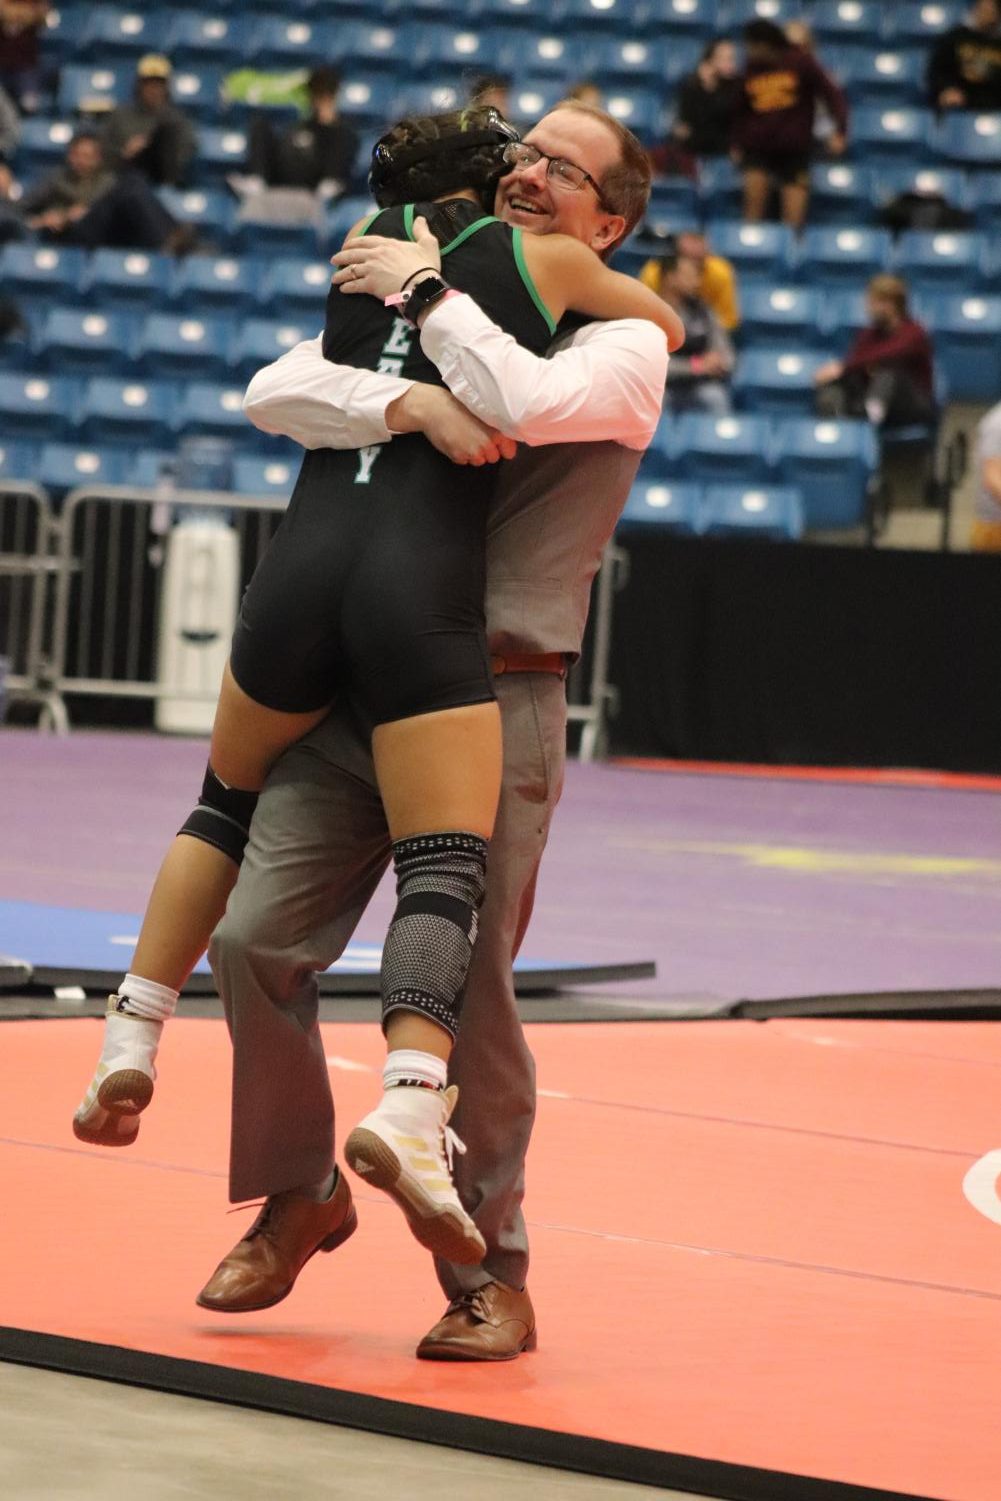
(262, 1267)
(493, 1323)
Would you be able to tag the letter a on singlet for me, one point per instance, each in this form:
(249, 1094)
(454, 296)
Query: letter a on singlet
(366, 459)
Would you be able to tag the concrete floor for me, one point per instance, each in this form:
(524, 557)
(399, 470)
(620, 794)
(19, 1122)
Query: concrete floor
(68, 1438)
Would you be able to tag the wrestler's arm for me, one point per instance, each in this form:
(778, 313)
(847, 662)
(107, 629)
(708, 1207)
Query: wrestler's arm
(570, 276)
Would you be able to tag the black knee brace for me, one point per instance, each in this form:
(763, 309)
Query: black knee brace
(440, 882)
(222, 817)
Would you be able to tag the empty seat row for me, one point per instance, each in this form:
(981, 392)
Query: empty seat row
(46, 276)
(832, 464)
(769, 512)
(59, 467)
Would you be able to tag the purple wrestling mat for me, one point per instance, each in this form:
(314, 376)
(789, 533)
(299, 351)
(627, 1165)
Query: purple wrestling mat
(739, 889)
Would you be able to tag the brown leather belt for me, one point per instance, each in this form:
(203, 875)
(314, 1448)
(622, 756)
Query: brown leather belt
(551, 661)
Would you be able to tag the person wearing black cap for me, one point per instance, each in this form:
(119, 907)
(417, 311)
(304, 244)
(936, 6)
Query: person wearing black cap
(150, 134)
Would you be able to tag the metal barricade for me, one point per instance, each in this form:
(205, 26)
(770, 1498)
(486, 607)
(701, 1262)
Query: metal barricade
(28, 533)
(109, 581)
(592, 698)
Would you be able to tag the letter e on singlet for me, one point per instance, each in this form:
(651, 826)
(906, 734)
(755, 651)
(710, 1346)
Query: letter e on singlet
(400, 336)
(366, 459)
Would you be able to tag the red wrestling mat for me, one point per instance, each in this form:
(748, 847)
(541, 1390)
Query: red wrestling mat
(751, 1247)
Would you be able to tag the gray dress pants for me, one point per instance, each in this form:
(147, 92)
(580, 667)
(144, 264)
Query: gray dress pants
(317, 850)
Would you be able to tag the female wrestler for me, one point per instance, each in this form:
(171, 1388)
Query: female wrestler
(374, 583)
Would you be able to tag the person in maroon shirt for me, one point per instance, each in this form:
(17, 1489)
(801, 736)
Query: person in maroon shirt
(887, 375)
(774, 124)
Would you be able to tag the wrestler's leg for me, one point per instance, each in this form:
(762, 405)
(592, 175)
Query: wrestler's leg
(188, 898)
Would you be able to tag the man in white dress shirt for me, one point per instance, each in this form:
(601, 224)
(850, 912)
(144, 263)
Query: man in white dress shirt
(319, 842)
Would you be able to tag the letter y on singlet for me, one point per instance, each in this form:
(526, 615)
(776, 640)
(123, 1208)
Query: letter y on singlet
(366, 459)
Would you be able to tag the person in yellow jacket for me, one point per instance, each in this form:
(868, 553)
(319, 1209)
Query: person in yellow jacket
(719, 282)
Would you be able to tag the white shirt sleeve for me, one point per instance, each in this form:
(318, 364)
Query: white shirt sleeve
(319, 404)
(608, 384)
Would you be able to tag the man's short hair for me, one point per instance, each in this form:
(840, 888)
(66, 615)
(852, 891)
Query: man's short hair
(890, 289)
(485, 83)
(625, 186)
(324, 81)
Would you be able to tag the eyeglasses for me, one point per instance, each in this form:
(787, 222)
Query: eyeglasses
(520, 156)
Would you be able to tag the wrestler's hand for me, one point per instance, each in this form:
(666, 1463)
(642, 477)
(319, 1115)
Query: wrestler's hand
(448, 426)
(380, 266)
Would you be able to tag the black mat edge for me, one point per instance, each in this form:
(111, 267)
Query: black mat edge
(540, 981)
(14, 972)
(300, 1399)
(901, 1005)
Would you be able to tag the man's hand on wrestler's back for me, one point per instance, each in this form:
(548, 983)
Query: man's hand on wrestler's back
(448, 426)
(379, 266)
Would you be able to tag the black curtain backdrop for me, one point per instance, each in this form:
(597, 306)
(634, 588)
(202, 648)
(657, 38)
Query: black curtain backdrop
(736, 651)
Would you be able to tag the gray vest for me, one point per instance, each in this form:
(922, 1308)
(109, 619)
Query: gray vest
(554, 510)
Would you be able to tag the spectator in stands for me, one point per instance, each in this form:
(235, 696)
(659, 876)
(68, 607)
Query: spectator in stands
(775, 119)
(986, 533)
(708, 100)
(698, 376)
(964, 69)
(84, 202)
(492, 89)
(317, 153)
(10, 126)
(717, 279)
(586, 91)
(888, 374)
(150, 134)
(11, 219)
(22, 74)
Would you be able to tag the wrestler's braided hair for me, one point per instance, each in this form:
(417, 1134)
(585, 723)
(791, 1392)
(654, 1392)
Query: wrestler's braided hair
(449, 166)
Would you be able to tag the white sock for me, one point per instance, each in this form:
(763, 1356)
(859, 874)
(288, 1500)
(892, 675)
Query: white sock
(146, 998)
(409, 1066)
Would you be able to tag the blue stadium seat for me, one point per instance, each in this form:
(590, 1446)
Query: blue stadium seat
(216, 410)
(892, 134)
(428, 98)
(922, 23)
(377, 44)
(721, 450)
(698, 16)
(778, 381)
(842, 257)
(344, 215)
(842, 315)
(543, 54)
(621, 17)
(847, 20)
(173, 344)
(721, 189)
(259, 341)
(43, 145)
(443, 50)
(73, 341)
(280, 42)
(656, 502)
(63, 25)
(211, 210)
(631, 61)
(197, 90)
(970, 139)
(37, 406)
(208, 284)
(148, 469)
(761, 253)
(642, 110)
(366, 98)
(535, 13)
(127, 278)
(949, 183)
(887, 78)
(768, 512)
(132, 411)
(263, 476)
(734, 14)
(220, 152)
(941, 258)
(983, 196)
(840, 193)
(85, 89)
(64, 466)
(966, 333)
(41, 275)
(294, 290)
(674, 198)
(109, 33)
(198, 38)
(780, 316)
(531, 98)
(831, 464)
(18, 461)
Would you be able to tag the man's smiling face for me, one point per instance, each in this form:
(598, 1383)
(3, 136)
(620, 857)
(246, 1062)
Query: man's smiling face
(531, 201)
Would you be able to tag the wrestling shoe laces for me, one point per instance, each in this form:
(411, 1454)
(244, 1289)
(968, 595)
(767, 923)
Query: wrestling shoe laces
(407, 1148)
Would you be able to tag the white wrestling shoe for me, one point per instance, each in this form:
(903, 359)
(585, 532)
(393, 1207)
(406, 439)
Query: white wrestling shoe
(405, 1146)
(122, 1086)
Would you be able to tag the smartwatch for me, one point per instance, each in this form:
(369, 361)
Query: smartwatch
(418, 298)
